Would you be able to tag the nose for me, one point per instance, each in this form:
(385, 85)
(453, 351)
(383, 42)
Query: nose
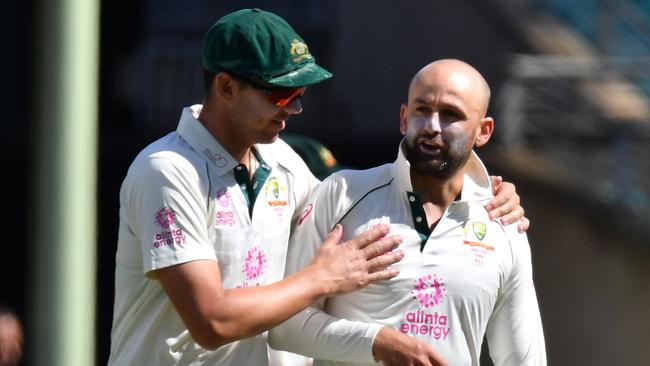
(433, 123)
(294, 107)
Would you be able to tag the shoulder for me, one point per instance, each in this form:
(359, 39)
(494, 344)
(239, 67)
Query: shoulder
(345, 188)
(169, 159)
(359, 182)
(508, 243)
(514, 237)
(518, 247)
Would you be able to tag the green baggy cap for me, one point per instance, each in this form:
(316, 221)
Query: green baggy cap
(319, 159)
(260, 44)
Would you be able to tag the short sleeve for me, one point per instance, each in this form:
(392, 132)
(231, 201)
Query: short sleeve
(165, 199)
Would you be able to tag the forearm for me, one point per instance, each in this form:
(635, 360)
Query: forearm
(319, 335)
(213, 314)
(244, 312)
(316, 334)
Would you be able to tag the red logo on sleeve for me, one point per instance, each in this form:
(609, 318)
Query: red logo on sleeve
(305, 214)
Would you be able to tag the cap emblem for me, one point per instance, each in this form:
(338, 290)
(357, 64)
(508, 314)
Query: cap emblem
(299, 50)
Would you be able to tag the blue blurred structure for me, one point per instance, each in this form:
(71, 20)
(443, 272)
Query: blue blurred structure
(590, 93)
(617, 28)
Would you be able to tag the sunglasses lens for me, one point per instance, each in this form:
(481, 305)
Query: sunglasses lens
(282, 97)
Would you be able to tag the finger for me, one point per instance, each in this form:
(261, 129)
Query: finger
(383, 261)
(382, 275)
(381, 246)
(495, 180)
(500, 211)
(431, 355)
(502, 205)
(524, 224)
(368, 237)
(513, 216)
(334, 236)
(503, 193)
(436, 359)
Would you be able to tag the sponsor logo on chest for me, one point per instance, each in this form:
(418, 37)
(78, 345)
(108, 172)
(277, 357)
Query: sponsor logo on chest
(429, 318)
(253, 267)
(225, 215)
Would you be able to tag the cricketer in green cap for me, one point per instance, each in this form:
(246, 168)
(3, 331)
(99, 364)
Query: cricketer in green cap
(261, 45)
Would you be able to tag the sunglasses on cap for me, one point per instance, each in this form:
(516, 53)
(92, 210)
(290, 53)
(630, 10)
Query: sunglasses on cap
(280, 97)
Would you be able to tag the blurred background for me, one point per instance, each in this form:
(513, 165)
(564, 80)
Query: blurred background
(570, 83)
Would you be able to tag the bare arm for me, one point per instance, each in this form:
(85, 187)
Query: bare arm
(213, 315)
(506, 204)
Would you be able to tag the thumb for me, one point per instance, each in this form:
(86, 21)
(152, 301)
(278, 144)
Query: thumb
(495, 181)
(334, 236)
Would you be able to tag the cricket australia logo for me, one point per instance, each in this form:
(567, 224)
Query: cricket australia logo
(254, 263)
(165, 218)
(299, 51)
(275, 193)
(479, 229)
(475, 232)
(429, 290)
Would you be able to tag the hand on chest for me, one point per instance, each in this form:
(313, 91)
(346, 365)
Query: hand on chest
(457, 257)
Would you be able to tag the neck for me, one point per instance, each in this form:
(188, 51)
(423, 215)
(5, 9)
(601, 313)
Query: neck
(217, 124)
(440, 192)
(436, 194)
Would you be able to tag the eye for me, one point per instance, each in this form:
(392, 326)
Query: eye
(423, 109)
(452, 114)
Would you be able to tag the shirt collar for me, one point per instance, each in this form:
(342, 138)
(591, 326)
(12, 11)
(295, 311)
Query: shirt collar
(201, 140)
(265, 152)
(476, 184)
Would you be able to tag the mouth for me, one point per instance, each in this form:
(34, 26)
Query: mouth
(280, 124)
(430, 147)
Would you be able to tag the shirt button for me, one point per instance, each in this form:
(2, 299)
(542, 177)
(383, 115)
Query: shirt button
(418, 219)
(238, 167)
(412, 198)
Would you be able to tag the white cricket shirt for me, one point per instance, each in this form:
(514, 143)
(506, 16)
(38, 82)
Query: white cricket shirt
(181, 201)
(468, 278)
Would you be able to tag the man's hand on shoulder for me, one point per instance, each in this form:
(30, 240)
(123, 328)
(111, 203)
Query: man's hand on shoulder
(506, 204)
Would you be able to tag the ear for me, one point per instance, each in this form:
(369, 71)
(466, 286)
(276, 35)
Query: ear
(225, 86)
(486, 128)
(402, 119)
